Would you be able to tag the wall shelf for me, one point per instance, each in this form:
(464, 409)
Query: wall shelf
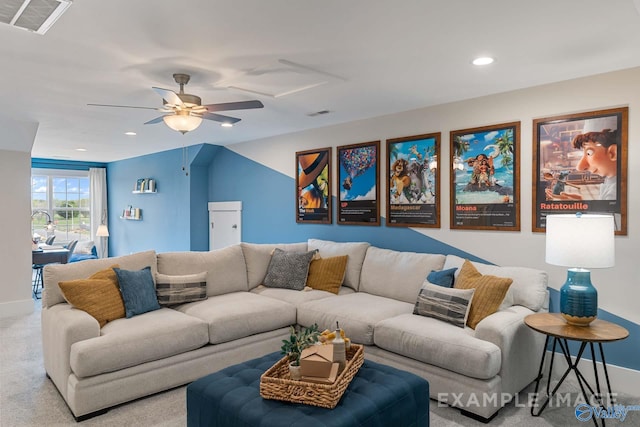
(145, 185)
(144, 192)
(130, 218)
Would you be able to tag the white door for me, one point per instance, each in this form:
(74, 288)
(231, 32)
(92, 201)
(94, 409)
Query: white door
(225, 224)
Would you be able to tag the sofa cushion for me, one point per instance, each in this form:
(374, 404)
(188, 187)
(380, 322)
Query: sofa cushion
(258, 257)
(288, 270)
(138, 291)
(172, 290)
(489, 292)
(98, 295)
(355, 250)
(440, 344)
(327, 274)
(226, 269)
(443, 278)
(446, 304)
(240, 314)
(54, 273)
(397, 275)
(297, 297)
(129, 342)
(529, 287)
(358, 313)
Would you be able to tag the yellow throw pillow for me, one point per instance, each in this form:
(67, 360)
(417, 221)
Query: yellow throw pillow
(490, 291)
(327, 274)
(98, 295)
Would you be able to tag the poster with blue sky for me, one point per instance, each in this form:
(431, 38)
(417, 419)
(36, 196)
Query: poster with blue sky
(358, 181)
(485, 184)
(413, 198)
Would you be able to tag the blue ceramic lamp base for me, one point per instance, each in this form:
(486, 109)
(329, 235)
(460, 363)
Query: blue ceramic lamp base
(578, 298)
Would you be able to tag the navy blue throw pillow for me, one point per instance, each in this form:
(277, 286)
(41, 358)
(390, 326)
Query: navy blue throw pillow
(442, 277)
(138, 291)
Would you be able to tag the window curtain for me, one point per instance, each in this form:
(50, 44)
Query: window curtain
(99, 213)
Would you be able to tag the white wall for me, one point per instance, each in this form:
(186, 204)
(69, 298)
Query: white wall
(15, 217)
(618, 286)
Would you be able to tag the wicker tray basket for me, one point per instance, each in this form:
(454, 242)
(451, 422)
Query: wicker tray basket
(276, 384)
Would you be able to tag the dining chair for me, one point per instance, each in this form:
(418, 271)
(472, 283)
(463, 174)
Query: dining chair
(38, 283)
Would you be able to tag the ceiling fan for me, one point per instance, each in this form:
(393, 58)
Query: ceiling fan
(185, 112)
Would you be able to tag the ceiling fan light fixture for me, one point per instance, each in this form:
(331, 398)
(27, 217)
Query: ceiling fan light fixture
(182, 123)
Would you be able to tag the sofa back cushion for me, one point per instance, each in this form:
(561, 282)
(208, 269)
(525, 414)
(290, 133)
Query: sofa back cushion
(397, 275)
(529, 287)
(55, 273)
(356, 252)
(226, 269)
(258, 256)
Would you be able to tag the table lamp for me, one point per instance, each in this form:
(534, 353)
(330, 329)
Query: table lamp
(580, 241)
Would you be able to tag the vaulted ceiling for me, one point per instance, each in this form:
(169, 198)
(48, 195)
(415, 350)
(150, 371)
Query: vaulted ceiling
(354, 59)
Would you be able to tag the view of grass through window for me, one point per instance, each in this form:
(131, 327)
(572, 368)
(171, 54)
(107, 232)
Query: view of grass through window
(65, 200)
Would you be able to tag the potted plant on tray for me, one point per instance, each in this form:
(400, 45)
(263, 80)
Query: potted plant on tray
(299, 339)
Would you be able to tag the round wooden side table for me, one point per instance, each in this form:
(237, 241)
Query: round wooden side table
(554, 326)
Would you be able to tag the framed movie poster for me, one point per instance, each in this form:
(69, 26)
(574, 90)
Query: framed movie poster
(485, 180)
(580, 165)
(358, 184)
(413, 197)
(313, 186)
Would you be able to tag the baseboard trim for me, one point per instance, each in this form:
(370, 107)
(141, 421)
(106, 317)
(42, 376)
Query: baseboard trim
(623, 380)
(16, 308)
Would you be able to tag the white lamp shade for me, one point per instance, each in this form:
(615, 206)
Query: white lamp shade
(584, 241)
(182, 122)
(102, 231)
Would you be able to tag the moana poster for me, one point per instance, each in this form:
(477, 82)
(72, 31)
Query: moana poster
(485, 183)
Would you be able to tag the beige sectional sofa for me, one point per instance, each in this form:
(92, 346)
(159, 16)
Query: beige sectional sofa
(477, 370)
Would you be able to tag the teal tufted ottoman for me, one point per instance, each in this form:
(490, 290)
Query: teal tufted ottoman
(379, 396)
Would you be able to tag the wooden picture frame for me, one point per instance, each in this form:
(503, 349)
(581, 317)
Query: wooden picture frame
(313, 186)
(413, 173)
(359, 183)
(485, 180)
(572, 173)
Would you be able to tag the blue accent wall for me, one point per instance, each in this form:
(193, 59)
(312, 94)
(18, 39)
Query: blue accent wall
(166, 218)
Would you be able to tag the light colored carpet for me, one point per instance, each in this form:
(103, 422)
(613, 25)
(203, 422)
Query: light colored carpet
(28, 398)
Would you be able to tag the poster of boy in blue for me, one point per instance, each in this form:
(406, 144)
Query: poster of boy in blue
(485, 178)
(581, 165)
(413, 198)
(358, 190)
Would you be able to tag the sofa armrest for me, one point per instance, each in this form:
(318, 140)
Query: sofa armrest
(520, 345)
(62, 326)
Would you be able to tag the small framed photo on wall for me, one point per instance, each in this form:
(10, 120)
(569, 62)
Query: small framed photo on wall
(580, 165)
(359, 184)
(485, 180)
(413, 173)
(313, 186)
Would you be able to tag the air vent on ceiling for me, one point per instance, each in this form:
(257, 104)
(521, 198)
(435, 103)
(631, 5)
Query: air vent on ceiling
(32, 15)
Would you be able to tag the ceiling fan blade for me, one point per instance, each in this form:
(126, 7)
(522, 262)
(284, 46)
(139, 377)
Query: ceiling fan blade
(168, 95)
(228, 106)
(220, 118)
(154, 121)
(124, 106)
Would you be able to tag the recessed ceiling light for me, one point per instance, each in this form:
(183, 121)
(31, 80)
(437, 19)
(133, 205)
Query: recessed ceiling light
(227, 125)
(483, 60)
(130, 133)
(81, 149)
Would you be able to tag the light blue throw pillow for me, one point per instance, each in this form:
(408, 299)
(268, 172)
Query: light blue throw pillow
(443, 278)
(138, 291)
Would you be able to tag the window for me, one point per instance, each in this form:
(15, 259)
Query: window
(62, 196)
